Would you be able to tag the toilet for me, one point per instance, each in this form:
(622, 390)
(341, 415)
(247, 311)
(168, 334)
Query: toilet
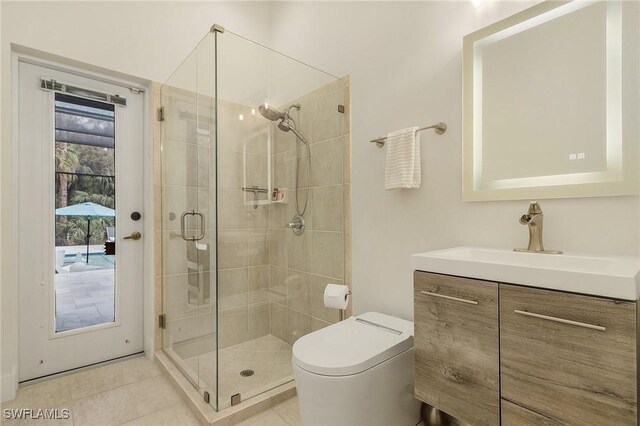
(357, 372)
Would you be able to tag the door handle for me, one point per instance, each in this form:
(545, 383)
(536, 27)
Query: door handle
(183, 231)
(135, 235)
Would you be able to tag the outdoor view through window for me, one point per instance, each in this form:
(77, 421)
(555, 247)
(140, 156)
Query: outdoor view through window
(85, 212)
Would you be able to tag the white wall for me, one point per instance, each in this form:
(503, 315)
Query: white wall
(405, 61)
(142, 39)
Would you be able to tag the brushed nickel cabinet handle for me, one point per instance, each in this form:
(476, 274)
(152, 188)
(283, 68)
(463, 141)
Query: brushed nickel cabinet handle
(455, 299)
(561, 320)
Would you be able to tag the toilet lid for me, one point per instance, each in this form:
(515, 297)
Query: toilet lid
(353, 345)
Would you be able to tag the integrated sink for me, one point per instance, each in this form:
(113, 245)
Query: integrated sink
(608, 276)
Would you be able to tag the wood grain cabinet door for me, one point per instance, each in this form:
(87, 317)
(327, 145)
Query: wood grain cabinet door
(456, 346)
(569, 357)
(515, 415)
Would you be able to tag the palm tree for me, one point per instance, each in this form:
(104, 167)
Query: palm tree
(66, 163)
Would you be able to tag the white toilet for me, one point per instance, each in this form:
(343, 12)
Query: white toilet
(357, 372)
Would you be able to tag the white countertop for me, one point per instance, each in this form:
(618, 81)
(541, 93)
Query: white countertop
(617, 277)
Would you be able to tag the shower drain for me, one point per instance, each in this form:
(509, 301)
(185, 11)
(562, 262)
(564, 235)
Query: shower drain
(246, 373)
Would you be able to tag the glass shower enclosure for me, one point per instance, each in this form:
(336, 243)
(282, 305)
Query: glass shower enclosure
(253, 198)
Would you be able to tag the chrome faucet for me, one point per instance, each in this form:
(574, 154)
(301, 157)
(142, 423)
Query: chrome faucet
(533, 218)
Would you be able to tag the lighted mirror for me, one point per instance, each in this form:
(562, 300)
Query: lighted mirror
(551, 103)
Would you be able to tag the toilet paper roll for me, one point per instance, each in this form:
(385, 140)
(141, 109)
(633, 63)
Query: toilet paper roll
(336, 296)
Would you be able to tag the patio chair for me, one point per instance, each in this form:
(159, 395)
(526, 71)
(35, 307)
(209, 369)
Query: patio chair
(111, 233)
(60, 253)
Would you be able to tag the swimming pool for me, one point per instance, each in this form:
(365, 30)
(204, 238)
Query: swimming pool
(101, 260)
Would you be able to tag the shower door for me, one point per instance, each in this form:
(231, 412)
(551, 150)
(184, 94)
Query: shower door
(239, 286)
(189, 219)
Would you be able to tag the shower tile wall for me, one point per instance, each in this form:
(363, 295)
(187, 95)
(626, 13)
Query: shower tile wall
(301, 266)
(187, 184)
(269, 280)
(243, 239)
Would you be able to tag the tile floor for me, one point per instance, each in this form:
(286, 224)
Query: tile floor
(268, 356)
(283, 414)
(131, 392)
(84, 298)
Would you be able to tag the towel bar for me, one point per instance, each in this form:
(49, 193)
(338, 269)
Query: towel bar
(440, 128)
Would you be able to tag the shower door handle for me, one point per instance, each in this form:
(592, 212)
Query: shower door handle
(183, 231)
(201, 236)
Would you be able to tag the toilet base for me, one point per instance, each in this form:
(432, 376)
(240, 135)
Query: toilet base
(381, 395)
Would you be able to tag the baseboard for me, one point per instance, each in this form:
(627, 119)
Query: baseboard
(8, 387)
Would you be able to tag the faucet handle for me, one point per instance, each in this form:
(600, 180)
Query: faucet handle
(534, 208)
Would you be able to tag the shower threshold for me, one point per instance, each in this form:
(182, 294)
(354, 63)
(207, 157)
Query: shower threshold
(268, 357)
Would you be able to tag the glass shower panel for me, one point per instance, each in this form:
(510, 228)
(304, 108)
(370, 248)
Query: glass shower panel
(253, 146)
(270, 279)
(188, 227)
(206, 248)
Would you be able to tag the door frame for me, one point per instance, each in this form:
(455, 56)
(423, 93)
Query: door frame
(26, 54)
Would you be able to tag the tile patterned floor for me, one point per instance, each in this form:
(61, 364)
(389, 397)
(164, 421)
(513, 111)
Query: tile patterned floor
(283, 414)
(84, 298)
(268, 356)
(131, 392)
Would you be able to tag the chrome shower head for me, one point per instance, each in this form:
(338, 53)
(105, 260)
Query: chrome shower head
(270, 113)
(284, 124)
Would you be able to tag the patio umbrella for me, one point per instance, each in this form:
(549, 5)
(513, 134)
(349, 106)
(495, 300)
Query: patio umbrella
(89, 210)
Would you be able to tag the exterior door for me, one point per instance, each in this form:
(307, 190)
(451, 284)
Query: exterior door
(80, 214)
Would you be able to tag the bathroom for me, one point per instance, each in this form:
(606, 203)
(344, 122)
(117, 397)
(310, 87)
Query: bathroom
(393, 65)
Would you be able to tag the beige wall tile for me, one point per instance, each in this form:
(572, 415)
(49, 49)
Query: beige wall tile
(279, 321)
(259, 320)
(282, 141)
(317, 324)
(327, 163)
(206, 164)
(298, 250)
(178, 160)
(233, 287)
(258, 218)
(176, 289)
(328, 208)
(232, 249)
(232, 213)
(234, 326)
(277, 284)
(256, 171)
(298, 324)
(178, 199)
(298, 290)
(327, 254)
(278, 247)
(229, 169)
(327, 121)
(157, 207)
(347, 208)
(258, 247)
(346, 158)
(259, 283)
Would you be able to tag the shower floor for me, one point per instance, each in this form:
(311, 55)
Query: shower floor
(268, 357)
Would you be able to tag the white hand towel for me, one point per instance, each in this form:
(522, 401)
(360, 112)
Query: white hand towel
(402, 166)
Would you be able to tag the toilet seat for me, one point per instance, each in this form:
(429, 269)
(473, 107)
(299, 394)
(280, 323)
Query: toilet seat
(354, 345)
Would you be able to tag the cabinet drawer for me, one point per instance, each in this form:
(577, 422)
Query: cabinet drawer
(456, 346)
(571, 358)
(515, 415)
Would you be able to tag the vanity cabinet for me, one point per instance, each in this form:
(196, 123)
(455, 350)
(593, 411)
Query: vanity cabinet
(569, 357)
(456, 346)
(490, 353)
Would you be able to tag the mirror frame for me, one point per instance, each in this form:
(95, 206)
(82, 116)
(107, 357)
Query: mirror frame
(621, 177)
